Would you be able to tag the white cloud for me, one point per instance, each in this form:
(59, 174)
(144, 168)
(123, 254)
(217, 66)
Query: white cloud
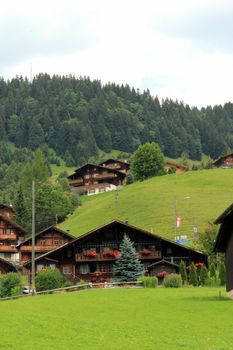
(149, 44)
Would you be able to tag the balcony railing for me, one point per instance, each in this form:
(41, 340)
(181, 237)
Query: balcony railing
(81, 257)
(7, 248)
(76, 182)
(152, 255)
(38, 248)
(105, 176)
(8, 236)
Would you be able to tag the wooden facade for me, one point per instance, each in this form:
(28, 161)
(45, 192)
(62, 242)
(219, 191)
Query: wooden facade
(11, 234)
(116, 164)
(224, 161)
(45, 241)
(91, 256)
(224, 244)
(91, 179)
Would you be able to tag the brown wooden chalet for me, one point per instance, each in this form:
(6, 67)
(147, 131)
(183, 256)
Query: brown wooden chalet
(45, 241)
(91, 256)
(116, 164)
(91, 179)
(180, 168)
(224, 161)
(224, 244)
(11, 234)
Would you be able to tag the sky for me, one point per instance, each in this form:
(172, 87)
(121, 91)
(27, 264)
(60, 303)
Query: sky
(177, 49)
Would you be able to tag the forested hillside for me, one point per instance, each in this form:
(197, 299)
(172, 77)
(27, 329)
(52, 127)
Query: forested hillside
(77, 117)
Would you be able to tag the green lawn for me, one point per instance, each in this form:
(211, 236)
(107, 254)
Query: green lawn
(129, 319)
(201, 197)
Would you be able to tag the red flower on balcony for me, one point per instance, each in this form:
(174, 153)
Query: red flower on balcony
(199, 264)
(146, 252)
(162, 274)
(90, 253)
(108, 252)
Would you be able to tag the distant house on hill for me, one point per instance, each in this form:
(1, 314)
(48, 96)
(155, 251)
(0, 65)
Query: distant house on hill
(92, 179)
(91, 256)
(116, 164)
(179, 168)
(224, 244)
(11, 234)
(224, 161)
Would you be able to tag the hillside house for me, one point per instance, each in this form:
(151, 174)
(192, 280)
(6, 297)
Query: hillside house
(224, 244)
(224, 161)
(179, 168)
(11, 234)
(91, 256)
(116, 164)
(92, 179)
(45, 241)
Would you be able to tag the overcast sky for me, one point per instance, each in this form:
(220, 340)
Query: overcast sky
(176, 48)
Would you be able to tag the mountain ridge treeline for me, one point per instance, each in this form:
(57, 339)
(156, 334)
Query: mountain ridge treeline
(77, 116)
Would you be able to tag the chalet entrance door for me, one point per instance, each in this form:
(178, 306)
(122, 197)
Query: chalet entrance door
(93, 267)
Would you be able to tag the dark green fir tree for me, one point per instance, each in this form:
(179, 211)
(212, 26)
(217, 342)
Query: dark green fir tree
(20, 208)
(203, 275)
(182, 271)
(222, 273)
(193, 275)
(127, 267)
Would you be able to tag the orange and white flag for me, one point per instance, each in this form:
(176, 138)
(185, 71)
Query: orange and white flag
(178, 221)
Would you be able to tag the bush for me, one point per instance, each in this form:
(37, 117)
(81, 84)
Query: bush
(17, 290)
(173, 281)
(212, 282)
(149, 282)
(203, 275)
(193, 275)
(182, 271)
(67, 283)
(8, 283)
(49, 279)
(222, 273)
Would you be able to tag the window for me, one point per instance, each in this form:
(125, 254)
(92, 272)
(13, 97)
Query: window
(41, 242)
(7, 256)
(40, 267)
(12, 232)
(84, 268)
(3, 231)
(52, 266)
(87, 176)
(169, 250)
(56, 242)
(105, 268)
(66, 269)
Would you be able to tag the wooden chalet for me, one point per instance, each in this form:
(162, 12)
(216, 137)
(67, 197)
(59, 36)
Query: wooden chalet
(91, 256)
(116, 164)
(224, 244)
(92, 179)
(11, 234)
(180, 168)
(224, 161)
(45, 241)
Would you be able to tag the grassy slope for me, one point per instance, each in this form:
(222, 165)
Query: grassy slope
(149, 204)
(188, 318)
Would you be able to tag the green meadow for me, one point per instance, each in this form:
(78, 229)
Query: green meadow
(201, 196)
(129, 319)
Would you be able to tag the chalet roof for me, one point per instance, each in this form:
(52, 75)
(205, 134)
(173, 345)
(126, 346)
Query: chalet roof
(181, 166)
(162, 262)
(113, 160)
(6, 206)
(223, 234)
(115, 222)
(45, 230)
(82, 168)
(7, 262)
(219, 160)
(13, 223)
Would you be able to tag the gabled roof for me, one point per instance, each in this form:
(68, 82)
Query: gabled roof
(6, 206)
(114, 222)
(45, 230)
(12, 223)
(114, 160)
(223, 234)
(222, 158)
(82, 168)
(163, 262)
(10, 264)
(179, 166)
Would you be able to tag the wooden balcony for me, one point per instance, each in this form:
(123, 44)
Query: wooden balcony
(38, 248)
(12, 237)
(80, 257)
(77, 182)
(8, 248)
(153, 255)
(105, 176)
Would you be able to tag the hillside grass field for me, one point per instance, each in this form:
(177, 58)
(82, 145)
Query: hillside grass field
(201, 196)
(130, 319)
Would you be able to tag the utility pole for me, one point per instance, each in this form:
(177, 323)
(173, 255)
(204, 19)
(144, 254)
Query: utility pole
(33, 238)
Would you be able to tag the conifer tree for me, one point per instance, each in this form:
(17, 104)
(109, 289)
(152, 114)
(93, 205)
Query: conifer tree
(128, 266)
(212, 270)
(193, 275)
(222, 273)
(20, 208)
(203, 275)
(182, 271)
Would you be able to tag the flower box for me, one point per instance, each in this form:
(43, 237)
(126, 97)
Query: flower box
(162, 274)
(90, 253)
(146, 252)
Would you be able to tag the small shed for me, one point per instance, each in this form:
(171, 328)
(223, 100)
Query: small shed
(162, 268)
(224, 244)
